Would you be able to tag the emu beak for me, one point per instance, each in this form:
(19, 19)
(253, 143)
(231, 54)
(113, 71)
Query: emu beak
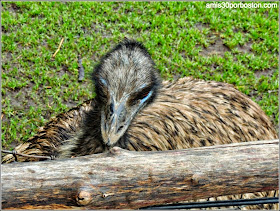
(114, 126)
(117, 118)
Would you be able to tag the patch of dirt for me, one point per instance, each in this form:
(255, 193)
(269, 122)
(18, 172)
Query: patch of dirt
(246, 48)
(6, 57)
(255, 94)
(20, 102)
(19, 98)
(15, 7)
(267, 73)
(64, 70)
(200, 26)
(217, 48)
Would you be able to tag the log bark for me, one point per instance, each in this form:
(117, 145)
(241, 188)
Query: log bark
(121, 179)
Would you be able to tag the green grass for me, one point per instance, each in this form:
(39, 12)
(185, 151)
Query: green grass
(237, 46)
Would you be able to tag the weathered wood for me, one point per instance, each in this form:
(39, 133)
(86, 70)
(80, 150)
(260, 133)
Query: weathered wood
(124, 179)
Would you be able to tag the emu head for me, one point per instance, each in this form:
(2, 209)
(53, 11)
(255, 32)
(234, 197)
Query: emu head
(126, 81)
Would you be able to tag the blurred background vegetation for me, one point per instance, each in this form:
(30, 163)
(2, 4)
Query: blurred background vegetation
(237, 46)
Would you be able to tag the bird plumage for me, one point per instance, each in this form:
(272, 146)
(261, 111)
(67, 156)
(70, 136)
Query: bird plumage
(163, 116)
(186, 113)
(125, 81)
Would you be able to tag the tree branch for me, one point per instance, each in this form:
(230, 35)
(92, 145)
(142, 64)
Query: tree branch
(130, 180)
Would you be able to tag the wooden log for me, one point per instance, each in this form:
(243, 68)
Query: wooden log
(121, 179)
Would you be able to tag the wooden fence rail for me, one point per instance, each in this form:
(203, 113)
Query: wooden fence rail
(122, 179)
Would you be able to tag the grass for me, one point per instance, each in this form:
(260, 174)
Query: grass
(237, 46)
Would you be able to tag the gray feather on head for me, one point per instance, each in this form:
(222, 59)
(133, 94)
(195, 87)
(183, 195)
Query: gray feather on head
(126, 80)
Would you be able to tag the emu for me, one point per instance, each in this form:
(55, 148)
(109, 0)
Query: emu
(135, 110)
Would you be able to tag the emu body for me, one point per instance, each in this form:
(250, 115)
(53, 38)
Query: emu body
(134, 110)
(186, 113)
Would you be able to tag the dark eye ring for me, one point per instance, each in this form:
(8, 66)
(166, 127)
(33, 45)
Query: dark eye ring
(143, 95)
(139, 96)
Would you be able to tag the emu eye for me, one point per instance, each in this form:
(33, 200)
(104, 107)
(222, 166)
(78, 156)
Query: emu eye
(140, 96)
(143, 95)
